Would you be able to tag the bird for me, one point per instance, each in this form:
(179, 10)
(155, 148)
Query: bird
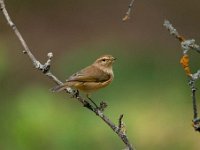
(91, 78)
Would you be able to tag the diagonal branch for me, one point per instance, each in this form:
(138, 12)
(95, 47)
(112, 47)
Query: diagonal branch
(45, 69)
(185, 44)
(128, 13)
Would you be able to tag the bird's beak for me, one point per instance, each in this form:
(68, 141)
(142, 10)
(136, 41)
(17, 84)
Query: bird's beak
(113, 58)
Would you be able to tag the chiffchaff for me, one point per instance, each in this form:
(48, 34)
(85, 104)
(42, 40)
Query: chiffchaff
(91, 78)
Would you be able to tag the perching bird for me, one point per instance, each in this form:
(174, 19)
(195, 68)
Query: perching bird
(91, 78)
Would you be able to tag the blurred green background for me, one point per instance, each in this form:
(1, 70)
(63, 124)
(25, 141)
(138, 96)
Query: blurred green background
(150, 87)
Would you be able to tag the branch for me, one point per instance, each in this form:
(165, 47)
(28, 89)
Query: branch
(187, 45)
(45, 69)
(128, 13)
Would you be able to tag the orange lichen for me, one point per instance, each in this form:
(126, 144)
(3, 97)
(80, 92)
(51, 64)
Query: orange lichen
(185, 63)
(180, 38)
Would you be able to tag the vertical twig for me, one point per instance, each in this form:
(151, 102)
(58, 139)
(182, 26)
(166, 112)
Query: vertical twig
(187, 45)
(120, 124)
(194, 103)
(193, 89)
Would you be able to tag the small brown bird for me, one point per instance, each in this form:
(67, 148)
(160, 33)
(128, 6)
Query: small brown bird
(91, 78)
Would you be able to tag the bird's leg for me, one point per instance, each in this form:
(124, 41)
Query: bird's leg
(87, 95)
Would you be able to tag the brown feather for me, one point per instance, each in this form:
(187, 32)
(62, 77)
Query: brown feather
(89, 74)
(91, 78)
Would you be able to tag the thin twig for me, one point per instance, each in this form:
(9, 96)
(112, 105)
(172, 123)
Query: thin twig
(193, 89)
(128, 13)
(187, 45)
(120, 121)
(194, 103)
(45, 69)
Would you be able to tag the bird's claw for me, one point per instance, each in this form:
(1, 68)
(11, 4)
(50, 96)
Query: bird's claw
(75, 94)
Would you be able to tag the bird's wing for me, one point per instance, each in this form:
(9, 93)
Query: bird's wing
(90, 74)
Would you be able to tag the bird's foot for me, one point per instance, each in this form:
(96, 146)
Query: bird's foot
(75, 94)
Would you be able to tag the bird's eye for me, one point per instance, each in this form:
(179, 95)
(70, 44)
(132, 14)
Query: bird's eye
(103, 60)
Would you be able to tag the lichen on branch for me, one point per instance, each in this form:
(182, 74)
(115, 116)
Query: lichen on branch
(186, 46)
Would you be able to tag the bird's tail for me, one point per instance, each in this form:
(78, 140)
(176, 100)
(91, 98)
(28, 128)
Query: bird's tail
(58, 88)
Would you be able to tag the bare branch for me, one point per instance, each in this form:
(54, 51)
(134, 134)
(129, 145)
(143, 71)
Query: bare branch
(128, 13)
(193, 88)
(45, 69)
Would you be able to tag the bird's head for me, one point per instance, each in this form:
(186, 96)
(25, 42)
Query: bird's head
(105, 61)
